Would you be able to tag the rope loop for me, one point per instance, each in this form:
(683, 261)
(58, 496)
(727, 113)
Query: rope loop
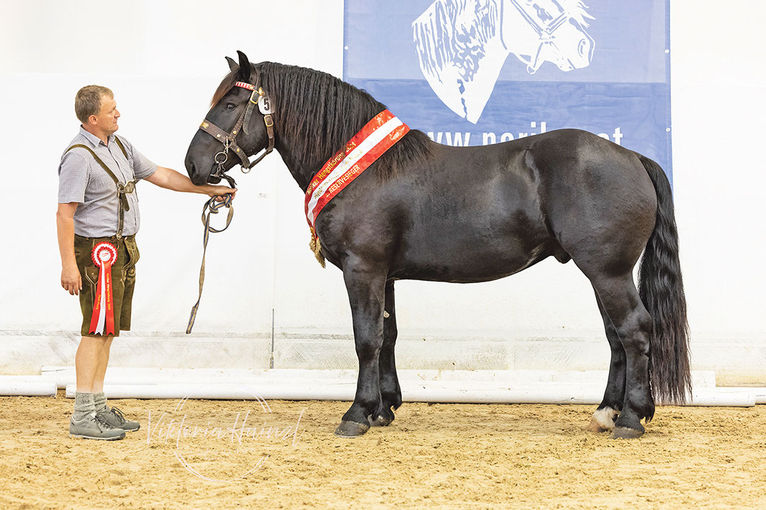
(212, 206)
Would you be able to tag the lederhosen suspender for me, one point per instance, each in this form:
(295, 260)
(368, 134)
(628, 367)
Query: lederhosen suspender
(122, 189)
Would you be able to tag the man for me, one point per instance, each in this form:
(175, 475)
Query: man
(97, 220)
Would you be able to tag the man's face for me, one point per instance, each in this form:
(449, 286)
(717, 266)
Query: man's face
(106, 120)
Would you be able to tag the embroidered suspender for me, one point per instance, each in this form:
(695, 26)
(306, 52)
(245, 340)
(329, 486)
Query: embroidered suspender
(122, 189)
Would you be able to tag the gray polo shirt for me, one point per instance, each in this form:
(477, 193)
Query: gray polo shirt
(84, 181)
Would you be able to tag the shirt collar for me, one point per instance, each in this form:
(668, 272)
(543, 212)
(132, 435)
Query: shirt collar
(93, 139)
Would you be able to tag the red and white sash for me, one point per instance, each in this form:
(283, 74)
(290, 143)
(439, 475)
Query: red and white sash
(102, 321)
(375, 138)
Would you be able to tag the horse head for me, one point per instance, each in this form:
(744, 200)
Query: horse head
(238, 125)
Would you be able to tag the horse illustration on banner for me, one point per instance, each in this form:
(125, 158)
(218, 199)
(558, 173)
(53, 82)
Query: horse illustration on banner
(463, 44)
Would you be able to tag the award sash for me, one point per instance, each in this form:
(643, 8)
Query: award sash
(374, 139)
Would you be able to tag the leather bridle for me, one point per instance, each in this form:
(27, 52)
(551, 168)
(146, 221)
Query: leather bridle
(229, 139)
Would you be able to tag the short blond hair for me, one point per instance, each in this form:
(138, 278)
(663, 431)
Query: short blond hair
(87, 102)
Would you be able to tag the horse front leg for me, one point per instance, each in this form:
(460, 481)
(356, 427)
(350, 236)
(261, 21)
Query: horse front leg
(390, 392)
(366, 293)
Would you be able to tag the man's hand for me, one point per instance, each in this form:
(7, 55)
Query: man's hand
(220, 191)
(71, 279)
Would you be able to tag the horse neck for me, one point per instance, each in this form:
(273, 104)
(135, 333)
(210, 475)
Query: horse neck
(290, 151)
(316, 114)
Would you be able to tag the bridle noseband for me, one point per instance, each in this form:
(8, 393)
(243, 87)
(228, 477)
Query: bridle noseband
(229, 140)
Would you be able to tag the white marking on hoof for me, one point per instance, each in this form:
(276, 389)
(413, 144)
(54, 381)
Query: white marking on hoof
(603, 419)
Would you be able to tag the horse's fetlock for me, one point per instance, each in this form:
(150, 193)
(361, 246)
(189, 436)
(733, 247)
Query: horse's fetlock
(392, 399)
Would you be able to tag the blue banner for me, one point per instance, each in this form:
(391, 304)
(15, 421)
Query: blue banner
(475, 72)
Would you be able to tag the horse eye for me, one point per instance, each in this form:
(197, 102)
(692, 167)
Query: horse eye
(230, 106)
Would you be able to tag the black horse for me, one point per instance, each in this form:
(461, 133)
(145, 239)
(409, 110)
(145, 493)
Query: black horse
(427, 211)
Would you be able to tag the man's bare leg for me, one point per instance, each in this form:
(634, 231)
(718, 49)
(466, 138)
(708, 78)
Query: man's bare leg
(99, 399)
(87, 361)
(103, 361)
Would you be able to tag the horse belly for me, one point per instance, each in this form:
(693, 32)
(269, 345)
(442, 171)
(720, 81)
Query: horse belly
(471, 252)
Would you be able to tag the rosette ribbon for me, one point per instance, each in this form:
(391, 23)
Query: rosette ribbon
(102, 322)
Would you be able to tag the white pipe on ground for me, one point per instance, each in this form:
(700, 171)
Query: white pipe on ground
(446, 386)
(468, 378)
(223, 391)
(539, 394)
(27, 386)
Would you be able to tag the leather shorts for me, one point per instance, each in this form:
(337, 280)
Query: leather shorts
(123, 279)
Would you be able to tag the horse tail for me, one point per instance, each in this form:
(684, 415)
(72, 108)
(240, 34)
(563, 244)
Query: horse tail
(662, 292)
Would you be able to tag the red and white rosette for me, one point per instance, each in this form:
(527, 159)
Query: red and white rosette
(102, 322)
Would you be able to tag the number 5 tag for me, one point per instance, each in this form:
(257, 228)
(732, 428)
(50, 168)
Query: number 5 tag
(264, 105)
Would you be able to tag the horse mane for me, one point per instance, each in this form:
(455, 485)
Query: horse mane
(325, 113)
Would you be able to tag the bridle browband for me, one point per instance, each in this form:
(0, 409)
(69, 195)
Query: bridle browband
(229, 140)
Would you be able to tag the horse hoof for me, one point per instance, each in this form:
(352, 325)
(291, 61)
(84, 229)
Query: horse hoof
(626, 433)
(351, 429)
(380, 421)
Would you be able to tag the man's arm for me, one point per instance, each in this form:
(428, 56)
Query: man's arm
(170, 179)
(71, 279)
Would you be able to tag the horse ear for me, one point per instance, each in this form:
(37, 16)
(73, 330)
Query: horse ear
(244, 66)
(232, 63)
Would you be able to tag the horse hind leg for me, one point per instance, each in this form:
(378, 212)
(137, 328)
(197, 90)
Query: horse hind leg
(633, 327)
(607, 412)
(390, 392)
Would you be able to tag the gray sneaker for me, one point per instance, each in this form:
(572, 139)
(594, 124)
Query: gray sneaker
(94, 427)
(115, 418)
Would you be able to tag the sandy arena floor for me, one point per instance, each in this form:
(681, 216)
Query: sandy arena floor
(284, 455)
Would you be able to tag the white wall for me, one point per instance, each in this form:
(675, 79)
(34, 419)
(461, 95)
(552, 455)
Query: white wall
(164, 59)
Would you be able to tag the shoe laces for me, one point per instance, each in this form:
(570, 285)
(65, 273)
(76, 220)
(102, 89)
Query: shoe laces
(102, 423)
(121, 417)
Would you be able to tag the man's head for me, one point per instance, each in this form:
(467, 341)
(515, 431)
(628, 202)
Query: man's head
(96, 108)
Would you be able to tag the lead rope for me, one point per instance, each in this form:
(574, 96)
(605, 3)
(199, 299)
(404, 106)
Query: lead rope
(211, 207)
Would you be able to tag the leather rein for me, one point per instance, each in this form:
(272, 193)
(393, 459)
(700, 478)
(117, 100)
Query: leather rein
(229, 139)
